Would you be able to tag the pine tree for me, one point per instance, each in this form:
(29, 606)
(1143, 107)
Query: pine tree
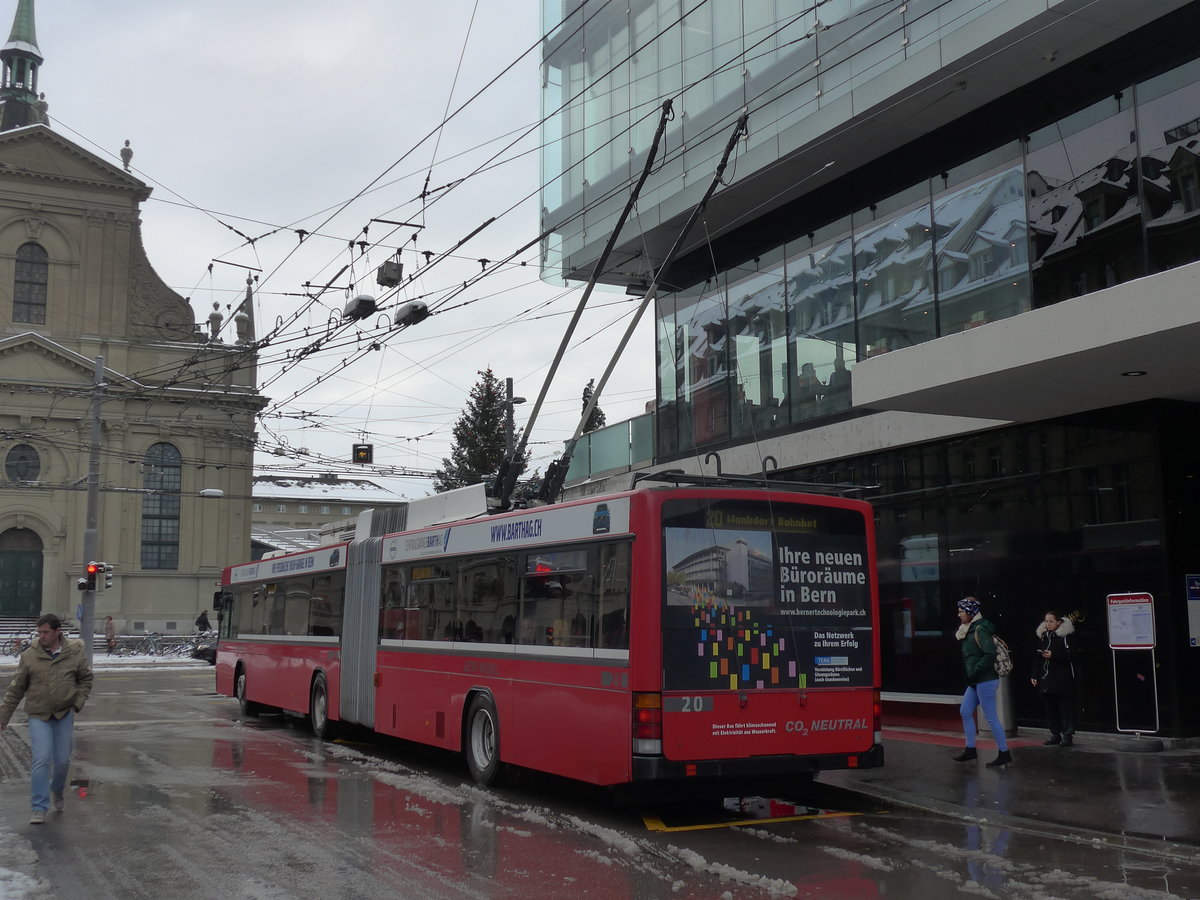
(478, 447)
(596, 419)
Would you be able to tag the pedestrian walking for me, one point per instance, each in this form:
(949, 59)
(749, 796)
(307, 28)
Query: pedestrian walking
(975, 635)
(202, 621)
(55, 680)
(1054, 676)
(110, 634)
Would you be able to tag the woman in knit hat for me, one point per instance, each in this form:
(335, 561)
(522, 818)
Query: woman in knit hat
(979, 659)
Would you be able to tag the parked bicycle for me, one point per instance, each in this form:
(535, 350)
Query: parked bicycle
(16, 645)
(150, 645)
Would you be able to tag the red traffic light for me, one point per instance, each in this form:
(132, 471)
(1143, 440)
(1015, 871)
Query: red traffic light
(93, 568)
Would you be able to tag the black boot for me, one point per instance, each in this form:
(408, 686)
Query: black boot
(1054, 739)
(968, 753)
(1003, 758)
(1067, 740)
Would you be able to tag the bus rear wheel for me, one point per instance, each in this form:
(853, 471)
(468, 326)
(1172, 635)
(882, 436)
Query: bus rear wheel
(318, 709)
(249, 707)
(483, 740)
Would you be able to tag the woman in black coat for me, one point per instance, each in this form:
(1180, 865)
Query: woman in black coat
(1054, 676)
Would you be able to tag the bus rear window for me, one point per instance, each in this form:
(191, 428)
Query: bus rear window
(762, 596)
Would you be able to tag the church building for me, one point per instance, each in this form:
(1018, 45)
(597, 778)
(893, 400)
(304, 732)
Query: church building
(89, 333)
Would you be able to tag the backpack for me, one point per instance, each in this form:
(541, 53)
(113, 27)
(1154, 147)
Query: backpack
(1004, 665)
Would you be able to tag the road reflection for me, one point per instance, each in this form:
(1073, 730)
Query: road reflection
(515, 841)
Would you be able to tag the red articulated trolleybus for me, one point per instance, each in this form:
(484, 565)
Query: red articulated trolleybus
(669, 632)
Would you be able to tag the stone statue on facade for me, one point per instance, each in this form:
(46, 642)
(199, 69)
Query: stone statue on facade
(215, 318)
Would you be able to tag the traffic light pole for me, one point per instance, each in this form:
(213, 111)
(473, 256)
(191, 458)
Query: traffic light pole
(87, 618)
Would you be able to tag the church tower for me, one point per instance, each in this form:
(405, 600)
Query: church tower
(19, 101)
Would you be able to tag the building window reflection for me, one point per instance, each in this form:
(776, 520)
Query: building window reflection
(30, 284)
(162, 470)
(1090, 201)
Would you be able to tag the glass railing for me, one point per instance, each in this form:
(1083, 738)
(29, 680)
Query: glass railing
(617, 448)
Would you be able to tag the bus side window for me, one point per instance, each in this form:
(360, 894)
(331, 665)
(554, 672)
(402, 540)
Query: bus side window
(431, 596)
(225, 613)
(614, 596)
(393, 619)
(487, 598)
(325, 610)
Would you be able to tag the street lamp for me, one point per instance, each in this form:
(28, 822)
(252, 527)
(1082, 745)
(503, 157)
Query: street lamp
(509, 402)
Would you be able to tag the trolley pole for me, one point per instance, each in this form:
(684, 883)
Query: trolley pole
(87, 618)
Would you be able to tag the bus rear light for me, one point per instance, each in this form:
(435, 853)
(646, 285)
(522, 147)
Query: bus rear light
(647, 732)
(647, 717)
(647, 724)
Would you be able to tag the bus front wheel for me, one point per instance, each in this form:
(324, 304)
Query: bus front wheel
(248, 707)
(483, 740)
(318, 709)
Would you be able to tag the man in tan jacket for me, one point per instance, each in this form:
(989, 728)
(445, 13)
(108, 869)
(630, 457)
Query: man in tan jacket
(55, 680)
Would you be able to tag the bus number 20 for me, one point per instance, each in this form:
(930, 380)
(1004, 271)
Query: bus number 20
(697, 704)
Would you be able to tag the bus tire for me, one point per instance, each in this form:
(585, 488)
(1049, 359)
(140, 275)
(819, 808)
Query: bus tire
(482, 744)
(318, 709)
(249, 707)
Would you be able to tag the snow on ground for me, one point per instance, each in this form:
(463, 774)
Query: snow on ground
(103, 661)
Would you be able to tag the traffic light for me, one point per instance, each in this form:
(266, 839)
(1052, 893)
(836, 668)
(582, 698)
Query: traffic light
(107, 569)
(364, 453)
(88, 581)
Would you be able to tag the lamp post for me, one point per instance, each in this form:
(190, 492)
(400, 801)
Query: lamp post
(87, 608)
(509, 402)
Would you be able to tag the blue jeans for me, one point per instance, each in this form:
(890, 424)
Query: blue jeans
(50, 741)
(982, 694)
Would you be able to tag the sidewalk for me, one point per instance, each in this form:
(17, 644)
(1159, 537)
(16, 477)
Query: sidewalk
(1093, 791)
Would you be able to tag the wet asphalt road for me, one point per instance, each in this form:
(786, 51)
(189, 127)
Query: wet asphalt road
(175, 796)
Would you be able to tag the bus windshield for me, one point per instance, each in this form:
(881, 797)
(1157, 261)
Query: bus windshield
(766, 596)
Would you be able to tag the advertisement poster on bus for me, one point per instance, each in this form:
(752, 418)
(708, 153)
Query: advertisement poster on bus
(767, 601)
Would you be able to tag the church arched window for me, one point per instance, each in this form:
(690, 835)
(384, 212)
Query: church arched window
(162, 470)
(29, 284)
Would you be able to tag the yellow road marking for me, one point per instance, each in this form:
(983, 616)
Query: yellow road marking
(654, 823)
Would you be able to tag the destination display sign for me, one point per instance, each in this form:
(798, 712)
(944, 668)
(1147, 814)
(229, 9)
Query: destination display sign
(323, 560)
(529, 528)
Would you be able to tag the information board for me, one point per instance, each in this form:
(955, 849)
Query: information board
(1130, 621)
(1192, 585)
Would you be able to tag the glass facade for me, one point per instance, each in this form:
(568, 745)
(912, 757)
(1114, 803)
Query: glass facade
(1105, 195)
(1053, 516)
(608, 67)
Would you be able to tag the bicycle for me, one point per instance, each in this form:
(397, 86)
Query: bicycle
(16, 645)
(150, 645)
(190, 643)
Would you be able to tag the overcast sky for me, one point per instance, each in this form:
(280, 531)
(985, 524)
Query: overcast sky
(262, 114)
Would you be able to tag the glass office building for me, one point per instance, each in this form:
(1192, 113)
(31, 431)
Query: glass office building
(914, 172)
